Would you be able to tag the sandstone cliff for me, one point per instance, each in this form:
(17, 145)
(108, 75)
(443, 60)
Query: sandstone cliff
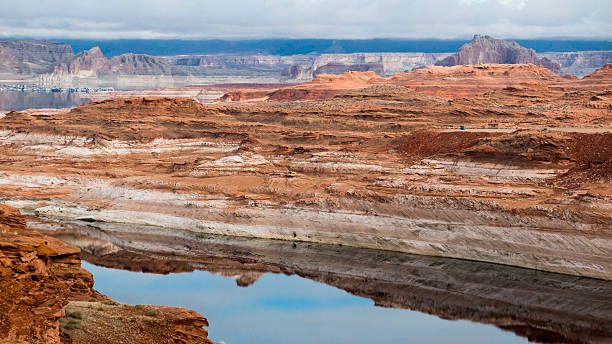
(25, 57)
(485, 49)
(40, 276)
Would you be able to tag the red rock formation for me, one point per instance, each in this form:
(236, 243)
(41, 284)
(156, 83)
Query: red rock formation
(451, 82)
(40, 275)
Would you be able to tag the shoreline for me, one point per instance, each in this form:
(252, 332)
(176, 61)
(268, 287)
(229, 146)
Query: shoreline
(500, 245)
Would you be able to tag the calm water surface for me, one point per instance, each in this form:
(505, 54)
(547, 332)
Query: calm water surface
(18, 101)
(288, 309)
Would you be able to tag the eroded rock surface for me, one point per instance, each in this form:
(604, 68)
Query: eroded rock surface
(486, 49)
(40, 275)
(374, 166)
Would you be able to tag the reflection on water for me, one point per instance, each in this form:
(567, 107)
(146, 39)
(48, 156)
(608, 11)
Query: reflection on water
(18, 101)
(288, 309)
(540, 306)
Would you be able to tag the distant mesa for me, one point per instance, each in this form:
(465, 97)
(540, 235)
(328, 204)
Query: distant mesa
(486, 49)
(52, 64)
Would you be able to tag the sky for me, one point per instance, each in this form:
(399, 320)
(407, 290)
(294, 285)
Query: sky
(245, 19)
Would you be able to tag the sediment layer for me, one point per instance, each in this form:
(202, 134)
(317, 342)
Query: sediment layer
(374, 166)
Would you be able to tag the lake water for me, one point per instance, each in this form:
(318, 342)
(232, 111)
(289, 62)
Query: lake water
(18, 101)
(273, 291)
(288, 309)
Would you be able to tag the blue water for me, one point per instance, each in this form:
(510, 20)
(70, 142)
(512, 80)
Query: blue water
(288, 309)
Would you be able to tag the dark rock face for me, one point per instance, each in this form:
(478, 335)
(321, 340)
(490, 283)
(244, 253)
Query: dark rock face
(486, 49)
(31, 57)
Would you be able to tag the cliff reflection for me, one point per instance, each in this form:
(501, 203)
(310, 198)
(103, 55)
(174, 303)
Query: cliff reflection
(540, 306)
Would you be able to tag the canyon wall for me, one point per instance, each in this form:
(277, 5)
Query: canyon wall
(360, 160)
(579, 63)
(54, 64)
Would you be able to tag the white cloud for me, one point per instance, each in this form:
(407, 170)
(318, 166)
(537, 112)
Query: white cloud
(305, 18)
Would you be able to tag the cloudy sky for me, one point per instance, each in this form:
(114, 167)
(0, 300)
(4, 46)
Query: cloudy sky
(305, 18)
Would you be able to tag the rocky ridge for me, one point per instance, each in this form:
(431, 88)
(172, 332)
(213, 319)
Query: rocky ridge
(451, 82)
(544, 307)
(54, 64)
(486, 49)
(92, 68)
(357, 162)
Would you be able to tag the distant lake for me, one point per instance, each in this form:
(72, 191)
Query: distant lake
(288, 309)
(18, 100)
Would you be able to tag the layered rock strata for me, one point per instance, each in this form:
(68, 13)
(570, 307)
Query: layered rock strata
(352, 169)
(54, 64)
(19, 58)
(41, 275)
(579, 63)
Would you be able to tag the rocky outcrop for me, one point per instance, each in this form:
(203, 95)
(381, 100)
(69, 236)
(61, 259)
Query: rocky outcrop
(92, 68)
(455, 81)
(41, 275)
(485, 49)
(26, 57)
(38, 275)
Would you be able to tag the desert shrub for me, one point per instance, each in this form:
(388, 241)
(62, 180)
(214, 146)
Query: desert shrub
(76, 315)
(73, 324)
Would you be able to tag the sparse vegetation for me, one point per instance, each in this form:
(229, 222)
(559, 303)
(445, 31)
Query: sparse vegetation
(152, 313)
(110, 303)
(75, 315)
(72, 324)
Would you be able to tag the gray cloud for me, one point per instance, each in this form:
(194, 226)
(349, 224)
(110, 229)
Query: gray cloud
(305, 18)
